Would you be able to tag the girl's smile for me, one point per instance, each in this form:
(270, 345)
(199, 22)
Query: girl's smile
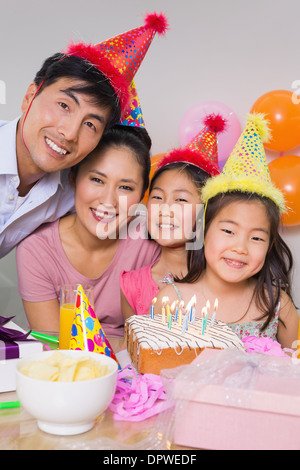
(172, 208)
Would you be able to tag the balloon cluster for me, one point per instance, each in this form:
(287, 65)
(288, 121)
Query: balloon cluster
(282, 110)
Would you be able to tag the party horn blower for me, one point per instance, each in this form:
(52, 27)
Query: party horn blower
(87, 333)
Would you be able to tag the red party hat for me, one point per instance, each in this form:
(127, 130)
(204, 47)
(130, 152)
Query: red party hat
(202, 151)
(119, 58)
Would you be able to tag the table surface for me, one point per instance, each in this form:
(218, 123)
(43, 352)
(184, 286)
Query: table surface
(19, 430)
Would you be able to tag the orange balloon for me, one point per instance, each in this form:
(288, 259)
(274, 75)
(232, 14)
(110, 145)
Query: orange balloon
(154, 161)
(285, 174)
(282, 109)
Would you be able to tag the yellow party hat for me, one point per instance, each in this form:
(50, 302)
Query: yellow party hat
(246, 169)
(87, 333)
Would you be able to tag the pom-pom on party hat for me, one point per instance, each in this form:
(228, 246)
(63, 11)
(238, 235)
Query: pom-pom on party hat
(87, 333)
(120, 57)
(133, 116)
(246, 169)
(202, 151)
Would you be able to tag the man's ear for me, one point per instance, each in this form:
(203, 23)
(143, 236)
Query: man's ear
(31, 91)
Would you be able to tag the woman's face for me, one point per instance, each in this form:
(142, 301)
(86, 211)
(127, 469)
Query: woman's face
(173, 206)
(237, 241)
(107, 185)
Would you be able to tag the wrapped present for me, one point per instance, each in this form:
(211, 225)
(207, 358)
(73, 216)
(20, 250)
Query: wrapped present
(231, 400)
(87, 332)
(14, 344)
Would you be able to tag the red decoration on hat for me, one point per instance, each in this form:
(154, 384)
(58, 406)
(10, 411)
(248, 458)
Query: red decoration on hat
(120, 57)
(202, 151)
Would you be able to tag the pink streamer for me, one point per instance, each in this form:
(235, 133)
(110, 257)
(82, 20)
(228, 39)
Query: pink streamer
(263, 345)
(138, 397)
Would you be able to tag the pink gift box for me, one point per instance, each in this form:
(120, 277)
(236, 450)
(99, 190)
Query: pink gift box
(255, 406)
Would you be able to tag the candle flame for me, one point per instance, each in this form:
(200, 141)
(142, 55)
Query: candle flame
(154, 300)
(216, 304)
(173, 306)
(191, 303)
(204, 311)
(208, 305)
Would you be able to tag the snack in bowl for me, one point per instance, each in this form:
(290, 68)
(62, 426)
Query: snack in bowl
(61, 368)
(64, 391)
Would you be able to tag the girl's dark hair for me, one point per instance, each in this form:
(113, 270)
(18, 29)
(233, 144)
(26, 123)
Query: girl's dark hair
(94, 83)
(195, 173)
(276, 271)
(136, 139)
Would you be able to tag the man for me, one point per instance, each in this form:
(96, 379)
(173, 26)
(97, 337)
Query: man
(74, 97)
(64, 113)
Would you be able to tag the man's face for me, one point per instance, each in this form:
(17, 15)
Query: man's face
(61, 127)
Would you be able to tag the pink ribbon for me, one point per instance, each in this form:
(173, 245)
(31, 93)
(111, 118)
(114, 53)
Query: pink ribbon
(138, 397)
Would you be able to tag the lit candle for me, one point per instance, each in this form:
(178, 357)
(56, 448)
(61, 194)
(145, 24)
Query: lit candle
(152, 307)
(163, 310)
(194, 309)
(174, 306)
(184, 324)
(214, 314)
(204, 315)
(181, 308)
(188, 310)
(168, 308)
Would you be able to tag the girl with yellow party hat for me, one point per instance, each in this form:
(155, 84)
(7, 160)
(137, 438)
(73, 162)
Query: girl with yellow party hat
(245, 263)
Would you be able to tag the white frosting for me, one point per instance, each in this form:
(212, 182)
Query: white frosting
(152, 333)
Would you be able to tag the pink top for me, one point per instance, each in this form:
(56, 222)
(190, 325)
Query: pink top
(43, 267)
(139, 289)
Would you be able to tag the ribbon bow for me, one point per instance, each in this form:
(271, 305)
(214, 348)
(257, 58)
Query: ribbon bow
(9, 349)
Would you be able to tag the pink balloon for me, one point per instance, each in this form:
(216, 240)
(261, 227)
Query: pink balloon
(192, 122)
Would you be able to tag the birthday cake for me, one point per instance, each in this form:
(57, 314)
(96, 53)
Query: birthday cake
(153, 346)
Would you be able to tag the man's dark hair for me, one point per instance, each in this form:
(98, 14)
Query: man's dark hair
(93, 82)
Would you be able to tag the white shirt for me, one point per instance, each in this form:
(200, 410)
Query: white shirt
(50, 198)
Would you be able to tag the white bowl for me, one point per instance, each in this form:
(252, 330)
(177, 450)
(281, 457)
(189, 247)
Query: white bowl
(66, 408)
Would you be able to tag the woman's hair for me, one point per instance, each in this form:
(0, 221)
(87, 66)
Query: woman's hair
(276, 271)
(136, 139)
(93, 82)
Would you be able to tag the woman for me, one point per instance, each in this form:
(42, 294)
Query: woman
(92, 245)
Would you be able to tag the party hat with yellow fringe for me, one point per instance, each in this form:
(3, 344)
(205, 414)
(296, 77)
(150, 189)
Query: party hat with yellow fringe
(246, 169)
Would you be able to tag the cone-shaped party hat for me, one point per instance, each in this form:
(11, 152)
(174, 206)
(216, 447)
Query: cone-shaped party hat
(246, 169)
(202, 151)
(133, 116)
(120, 57)
(87, 333)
